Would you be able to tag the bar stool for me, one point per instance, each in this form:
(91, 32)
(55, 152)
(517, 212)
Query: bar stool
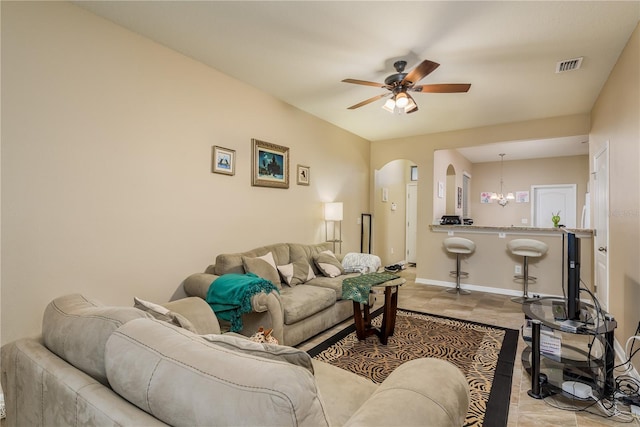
(459, 246)
(526, 248)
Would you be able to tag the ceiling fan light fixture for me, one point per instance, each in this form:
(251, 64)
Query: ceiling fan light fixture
(410, 106)
(402, 100)
(390, 105)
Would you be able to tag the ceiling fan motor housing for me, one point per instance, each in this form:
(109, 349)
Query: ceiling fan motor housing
(394, 79)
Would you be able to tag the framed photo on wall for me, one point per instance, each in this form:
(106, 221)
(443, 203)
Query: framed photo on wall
(223, 160)
(303, 175)
(459, 197)
(269, 165)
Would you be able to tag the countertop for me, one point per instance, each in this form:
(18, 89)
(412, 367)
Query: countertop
(581, 232)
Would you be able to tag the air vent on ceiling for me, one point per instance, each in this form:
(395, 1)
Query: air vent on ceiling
(568, 65)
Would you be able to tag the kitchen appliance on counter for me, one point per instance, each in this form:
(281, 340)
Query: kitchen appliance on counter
(467, 221)
(450, 220)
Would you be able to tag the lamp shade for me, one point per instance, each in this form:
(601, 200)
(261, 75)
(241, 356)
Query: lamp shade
(333, 211)
(402, 100)
(390, 105)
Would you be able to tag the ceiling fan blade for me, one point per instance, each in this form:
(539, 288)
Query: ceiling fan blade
(424, 68)
(364, 82)
(368, 101)
(443, 88)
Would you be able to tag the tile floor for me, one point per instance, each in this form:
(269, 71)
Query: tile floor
(498, 310)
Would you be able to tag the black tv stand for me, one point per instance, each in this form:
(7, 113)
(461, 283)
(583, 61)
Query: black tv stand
(578, 360)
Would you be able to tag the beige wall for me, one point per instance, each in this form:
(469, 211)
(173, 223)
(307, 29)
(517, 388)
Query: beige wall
(106, 159)
(520, 175)
(442, 161)
(615, 118)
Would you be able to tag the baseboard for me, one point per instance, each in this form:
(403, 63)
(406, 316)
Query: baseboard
(620, 355)
(510, 292)
(480, 288)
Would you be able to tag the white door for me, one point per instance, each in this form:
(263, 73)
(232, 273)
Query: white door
(412, 222)
(549, 199)
(601, 225)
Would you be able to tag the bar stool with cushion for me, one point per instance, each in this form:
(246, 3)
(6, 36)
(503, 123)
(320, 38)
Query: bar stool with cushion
(526, 248)
(459, 246)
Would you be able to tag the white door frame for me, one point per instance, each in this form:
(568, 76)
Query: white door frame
(600, 200)
(411, 224)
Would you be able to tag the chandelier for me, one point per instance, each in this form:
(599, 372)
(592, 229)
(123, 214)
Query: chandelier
(500, 197)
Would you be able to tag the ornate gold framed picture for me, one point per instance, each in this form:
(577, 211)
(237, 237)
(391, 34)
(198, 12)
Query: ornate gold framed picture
(270, 165)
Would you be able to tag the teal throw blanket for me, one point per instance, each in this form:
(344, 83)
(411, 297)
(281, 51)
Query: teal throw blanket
(230, 296)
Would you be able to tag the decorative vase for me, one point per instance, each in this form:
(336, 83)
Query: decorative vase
(555, 218)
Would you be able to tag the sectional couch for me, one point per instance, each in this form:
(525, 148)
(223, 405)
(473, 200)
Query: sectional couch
(299, 310)
(122, 366)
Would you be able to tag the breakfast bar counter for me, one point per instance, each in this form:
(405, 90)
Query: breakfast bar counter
(492, 266)
(516, 230)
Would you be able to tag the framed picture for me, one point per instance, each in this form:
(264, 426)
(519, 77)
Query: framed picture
(270, 165)
(303, 175)
(522, 197)
(459, 197)
(485, 197)
(223, 161)
(414, 173)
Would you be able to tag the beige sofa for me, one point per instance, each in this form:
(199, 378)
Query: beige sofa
(297, 313)
(97, 365)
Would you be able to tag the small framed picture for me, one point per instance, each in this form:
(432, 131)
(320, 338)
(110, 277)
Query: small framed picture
(414, 173)
(303, 175)
(522, 197)
(223, 160)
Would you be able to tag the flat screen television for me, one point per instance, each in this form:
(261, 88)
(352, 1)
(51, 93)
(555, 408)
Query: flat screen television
(573, 276)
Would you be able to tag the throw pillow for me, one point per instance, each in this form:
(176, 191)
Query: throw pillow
(263, 266)
(328, 264)
(164, 314)
(296, 272)
(281, 353)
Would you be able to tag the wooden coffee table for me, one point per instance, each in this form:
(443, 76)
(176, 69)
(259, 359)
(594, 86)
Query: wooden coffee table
(362, 316)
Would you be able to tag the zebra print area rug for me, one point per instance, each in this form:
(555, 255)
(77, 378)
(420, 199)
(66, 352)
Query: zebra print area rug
(484, 353)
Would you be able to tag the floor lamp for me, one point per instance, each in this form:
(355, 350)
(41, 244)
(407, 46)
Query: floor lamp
(333, 213)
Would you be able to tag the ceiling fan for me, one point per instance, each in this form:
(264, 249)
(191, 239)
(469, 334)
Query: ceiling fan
(401, 83)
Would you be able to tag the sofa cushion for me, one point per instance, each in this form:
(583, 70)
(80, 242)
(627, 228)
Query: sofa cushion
(328, 264)
(179, 378)
(296, 272)
(282, 353)
(334, 283)
(299, 251)
(77, 328)
(303, 301)
(198, 312)
(232, 262)
(162, 313)
(263, 266)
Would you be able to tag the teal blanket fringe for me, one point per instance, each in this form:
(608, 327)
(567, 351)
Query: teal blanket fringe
(230, 296)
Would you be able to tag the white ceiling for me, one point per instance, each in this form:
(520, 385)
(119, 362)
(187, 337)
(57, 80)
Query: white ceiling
(300, 51)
